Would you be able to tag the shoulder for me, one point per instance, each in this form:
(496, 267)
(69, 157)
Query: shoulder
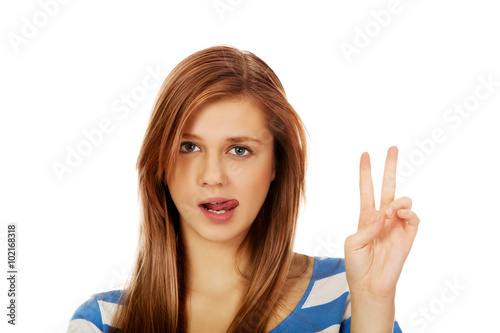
(95, 314)
(316, 267)
(329, 267)
(325, 284)
(324, 304)
(328, 283)
(324, 265)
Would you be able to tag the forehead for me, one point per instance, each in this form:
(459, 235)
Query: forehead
(229, 118)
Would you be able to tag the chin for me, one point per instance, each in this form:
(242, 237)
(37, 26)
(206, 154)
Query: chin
(219, 235)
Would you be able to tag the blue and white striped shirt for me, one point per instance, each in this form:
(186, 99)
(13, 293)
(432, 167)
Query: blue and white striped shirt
(324, 308)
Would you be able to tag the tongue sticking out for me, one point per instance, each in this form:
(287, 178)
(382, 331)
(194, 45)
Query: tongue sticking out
(230, 204)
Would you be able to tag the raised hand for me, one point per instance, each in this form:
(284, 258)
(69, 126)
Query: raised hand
(375, 254)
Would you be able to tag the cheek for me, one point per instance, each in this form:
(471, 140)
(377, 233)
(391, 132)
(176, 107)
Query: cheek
(180, 173)
(254, 179)
(183, 198)
(177, 185)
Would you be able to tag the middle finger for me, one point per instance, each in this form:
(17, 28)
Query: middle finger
(389, 182)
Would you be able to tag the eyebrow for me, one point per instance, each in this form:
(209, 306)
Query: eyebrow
(234, 139)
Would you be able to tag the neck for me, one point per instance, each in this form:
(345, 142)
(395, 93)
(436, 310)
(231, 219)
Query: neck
(211, 269)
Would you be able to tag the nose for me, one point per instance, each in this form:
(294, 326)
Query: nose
(213, 171)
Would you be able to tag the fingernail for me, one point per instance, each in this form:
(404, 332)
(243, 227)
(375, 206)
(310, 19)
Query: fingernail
(403, 211)
(389, 212)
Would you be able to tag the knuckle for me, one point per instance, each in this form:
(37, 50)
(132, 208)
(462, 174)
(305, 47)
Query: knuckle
(403, 202)
(349, 242)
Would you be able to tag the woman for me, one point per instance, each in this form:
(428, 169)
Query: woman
(221, 177)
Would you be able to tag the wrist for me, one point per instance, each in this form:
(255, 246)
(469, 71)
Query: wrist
(381, 298)
(372, 313)
(381, 289)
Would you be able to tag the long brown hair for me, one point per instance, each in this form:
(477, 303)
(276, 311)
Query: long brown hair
(155, 295)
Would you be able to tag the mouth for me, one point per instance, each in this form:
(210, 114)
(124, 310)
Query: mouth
(220, 207)
(217, 211)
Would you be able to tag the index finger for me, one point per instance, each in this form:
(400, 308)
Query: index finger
(367, 201)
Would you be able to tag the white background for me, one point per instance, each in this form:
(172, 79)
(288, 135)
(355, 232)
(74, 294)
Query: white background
(77, 235)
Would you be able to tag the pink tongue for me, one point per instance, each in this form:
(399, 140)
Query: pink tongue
(223, 206)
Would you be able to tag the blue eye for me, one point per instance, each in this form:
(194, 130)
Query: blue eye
(239, 150)
(242, 150)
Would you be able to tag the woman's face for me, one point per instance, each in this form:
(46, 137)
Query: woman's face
(218, 158)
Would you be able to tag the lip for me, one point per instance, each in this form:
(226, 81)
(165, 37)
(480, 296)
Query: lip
(213, 199)
(219, 218)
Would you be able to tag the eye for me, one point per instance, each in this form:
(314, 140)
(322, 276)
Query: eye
(241, 149)
(188, 145)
